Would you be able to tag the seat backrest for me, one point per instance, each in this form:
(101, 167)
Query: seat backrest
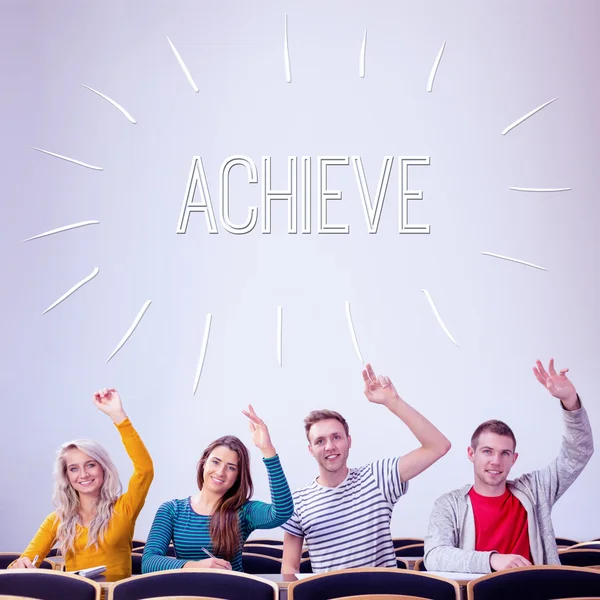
(264, 549)
(265, 541)
(580, 557)
(565, 542)
(595, 545)
(305, 566)
(382, 597)
(411, 550)
(136, 563)
(401, 542)
(257, 563)
(371, 581)
(180, 598)
(47, 585)
(6, 558)
(211, 583)
(578, 598)
(543, 582)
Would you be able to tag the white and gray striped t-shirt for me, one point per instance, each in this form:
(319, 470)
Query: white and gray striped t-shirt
(349, 525)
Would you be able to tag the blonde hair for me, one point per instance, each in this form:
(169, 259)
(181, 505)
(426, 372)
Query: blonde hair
(66, 499)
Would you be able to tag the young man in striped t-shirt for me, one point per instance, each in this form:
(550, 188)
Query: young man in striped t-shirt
(344, 514)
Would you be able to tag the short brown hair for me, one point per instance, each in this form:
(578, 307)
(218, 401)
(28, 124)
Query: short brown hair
(314, 416)
(494, 426)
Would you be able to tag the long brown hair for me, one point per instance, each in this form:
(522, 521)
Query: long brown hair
(224, 523)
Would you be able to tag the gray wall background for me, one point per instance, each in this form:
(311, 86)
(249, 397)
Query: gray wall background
(502, 59)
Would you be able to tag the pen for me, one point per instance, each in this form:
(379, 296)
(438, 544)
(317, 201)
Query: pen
(34, 560)
(207, 552)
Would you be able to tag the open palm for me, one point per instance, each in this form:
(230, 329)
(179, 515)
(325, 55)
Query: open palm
(558, 384)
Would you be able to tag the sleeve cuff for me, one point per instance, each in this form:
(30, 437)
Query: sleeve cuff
(123, 425)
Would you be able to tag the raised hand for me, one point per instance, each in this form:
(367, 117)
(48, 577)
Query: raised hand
(558, 385)
(260, 433)
(499, 562)
(109, 402)
(379, 390)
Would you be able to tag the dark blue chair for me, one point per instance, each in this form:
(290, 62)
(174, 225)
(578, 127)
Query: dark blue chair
(580, 557)
(543, 582)
(137, 545)
(265, 541)
(305, 566)
(257, 564)
(595, 545)
(411, 550)
(47, 585)
(264, 549)
(401, 542)
(8, 557)
(136, 563)
(565, 542)
(365, 581)
(215, 583)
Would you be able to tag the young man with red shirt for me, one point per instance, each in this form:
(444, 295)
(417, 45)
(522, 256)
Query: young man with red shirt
(496, 524)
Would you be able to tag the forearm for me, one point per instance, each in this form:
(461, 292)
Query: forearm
(449, 558)
(136, 450)
(292, 553)
(290, 566)
(577, 445)
(429, 436)
(446, 534)
(281, 495)
(156, 562)
(266, 516)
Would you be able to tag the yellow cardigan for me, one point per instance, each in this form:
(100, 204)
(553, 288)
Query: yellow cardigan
(114, 550)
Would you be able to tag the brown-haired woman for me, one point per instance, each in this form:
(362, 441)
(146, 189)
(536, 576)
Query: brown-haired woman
(221, 516)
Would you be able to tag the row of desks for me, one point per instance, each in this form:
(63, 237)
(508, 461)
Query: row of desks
(283, 581)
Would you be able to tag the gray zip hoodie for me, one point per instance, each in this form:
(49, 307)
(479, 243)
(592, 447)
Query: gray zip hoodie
(450, 541)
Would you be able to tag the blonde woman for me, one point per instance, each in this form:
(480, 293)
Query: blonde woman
(93, 523)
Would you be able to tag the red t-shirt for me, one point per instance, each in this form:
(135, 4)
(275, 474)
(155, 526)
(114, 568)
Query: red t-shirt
(500, 524)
